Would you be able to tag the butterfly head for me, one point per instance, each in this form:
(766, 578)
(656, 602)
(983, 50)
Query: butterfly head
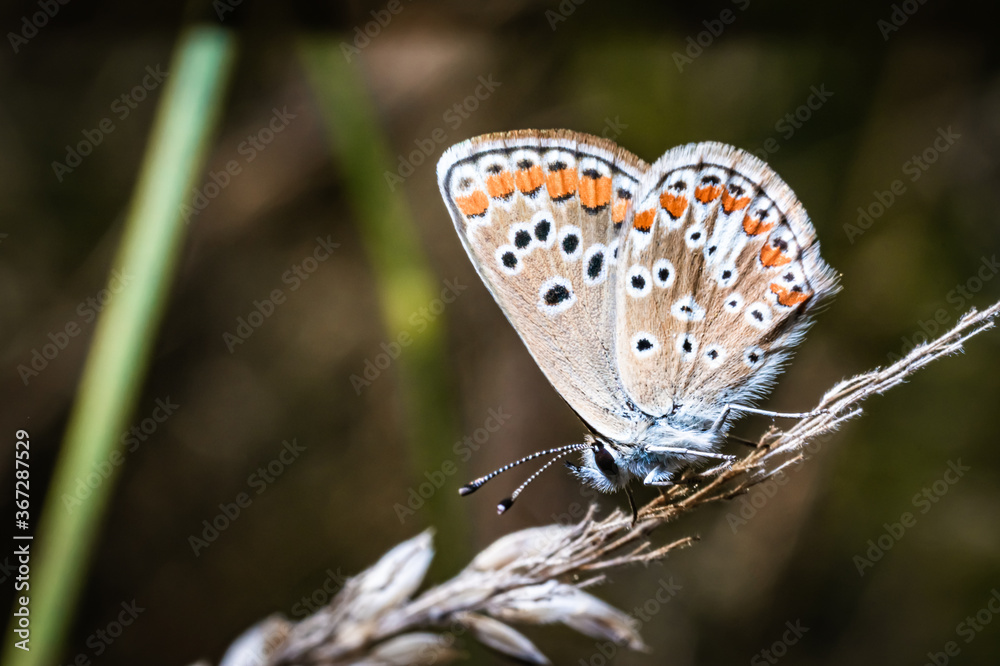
(604, 465)
(665, 445)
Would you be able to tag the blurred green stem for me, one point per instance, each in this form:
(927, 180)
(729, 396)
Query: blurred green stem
(123, 339)
(405, 284)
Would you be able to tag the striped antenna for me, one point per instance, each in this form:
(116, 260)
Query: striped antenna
(473, 486)
(507, 503)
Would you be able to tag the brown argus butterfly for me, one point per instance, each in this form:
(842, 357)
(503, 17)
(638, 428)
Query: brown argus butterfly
(660, 301)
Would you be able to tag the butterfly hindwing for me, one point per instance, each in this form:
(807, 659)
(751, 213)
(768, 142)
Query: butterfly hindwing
(539, 214)
(718, 275)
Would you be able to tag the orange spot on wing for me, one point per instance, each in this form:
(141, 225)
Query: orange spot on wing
(771, 256)
(500, 185)
(529, 180)
(731, 203)
(755, 227)
(619, 211)
(561, 184)
(789, 298)
(595, 192)
(706, 194)
(644, 220)
(474, 205)
(674, 205)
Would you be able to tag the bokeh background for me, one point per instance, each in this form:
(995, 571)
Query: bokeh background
(839, 98)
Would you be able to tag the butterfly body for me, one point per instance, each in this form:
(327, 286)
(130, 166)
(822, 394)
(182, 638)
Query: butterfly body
(640, 460)
(659, 300)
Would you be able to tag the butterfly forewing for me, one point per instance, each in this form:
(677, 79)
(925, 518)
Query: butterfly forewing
(717, 275)
(539, 214)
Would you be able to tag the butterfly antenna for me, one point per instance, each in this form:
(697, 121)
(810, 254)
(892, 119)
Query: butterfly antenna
(473, 486)
(507, 503)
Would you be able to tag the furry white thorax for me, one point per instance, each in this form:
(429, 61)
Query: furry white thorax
(641, 460)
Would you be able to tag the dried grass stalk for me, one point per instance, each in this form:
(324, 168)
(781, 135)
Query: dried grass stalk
(525, 577)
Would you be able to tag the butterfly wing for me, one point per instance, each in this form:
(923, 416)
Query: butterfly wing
(718, 275)
(539, 213)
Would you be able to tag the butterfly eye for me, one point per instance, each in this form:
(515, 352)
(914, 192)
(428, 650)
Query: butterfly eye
(605, 461)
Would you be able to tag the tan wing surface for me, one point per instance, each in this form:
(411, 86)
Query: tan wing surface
(717, 277)
(539, 212)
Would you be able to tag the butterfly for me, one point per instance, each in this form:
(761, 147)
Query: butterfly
(660, 300)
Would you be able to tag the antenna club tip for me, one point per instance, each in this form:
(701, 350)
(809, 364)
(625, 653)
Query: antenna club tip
(468, 489)
(504, 505)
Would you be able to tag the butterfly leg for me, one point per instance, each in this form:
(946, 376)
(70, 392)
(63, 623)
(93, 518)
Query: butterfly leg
(763, 412)
(690, 452)
(742, 440)
(658, 477)
(715, 470)
(632, 505)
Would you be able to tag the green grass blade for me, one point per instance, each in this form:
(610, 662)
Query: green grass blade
(405, 283)
(124, 335)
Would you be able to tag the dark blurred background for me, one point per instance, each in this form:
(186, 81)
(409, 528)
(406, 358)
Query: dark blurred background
(841, 99)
